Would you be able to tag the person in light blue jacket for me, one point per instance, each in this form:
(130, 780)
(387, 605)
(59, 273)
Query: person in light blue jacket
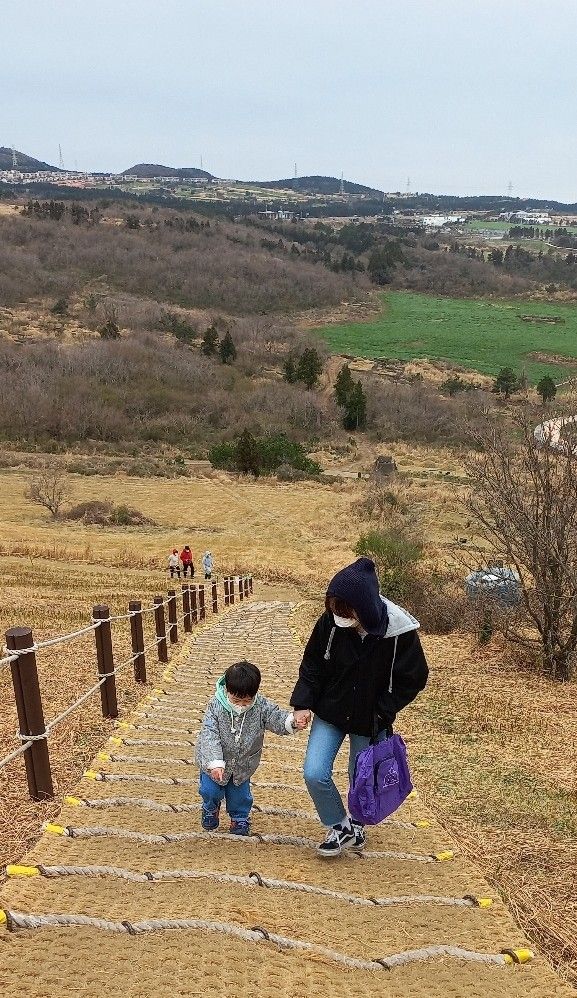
(230, 743)
(207, 564)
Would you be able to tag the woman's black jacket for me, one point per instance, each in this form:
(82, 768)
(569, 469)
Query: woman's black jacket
(359, 676)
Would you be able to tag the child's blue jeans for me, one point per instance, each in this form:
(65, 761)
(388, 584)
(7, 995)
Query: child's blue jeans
(238, 799)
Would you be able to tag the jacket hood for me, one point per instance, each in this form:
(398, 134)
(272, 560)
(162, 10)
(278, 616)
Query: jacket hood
(358, 585)
(222, 697)
(400, 621)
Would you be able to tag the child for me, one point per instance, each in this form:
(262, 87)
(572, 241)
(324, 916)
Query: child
(207, 564)
(230, 741)
(174, 563)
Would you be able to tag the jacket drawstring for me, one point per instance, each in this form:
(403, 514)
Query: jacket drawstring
(237, 736)
(328, 648)
(393, 664)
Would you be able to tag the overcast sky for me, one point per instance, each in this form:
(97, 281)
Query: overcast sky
(460, 96)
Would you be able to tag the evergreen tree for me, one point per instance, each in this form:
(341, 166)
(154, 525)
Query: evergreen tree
(506, 382)
(290, 369)
(247, 456)
(309, 367)
(209, 345)
(355, 417)
(344, 385)
(547, 388)
(227, 349)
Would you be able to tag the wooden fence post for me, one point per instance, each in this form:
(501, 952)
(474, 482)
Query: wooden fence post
(214, 597)
(172, 617)
(103, 636)
(30, 713)
(160, 628)
(186, 609)
(201, 606)
(137, 635)
(231, 589)
(250, 584)
(226, 591)
(193, 605)
(246, 589)
(240, 588)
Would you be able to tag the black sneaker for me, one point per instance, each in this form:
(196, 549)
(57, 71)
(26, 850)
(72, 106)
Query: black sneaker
(360, 837)
(337, 839)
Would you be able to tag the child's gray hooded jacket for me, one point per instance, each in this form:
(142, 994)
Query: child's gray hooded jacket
(234, 742)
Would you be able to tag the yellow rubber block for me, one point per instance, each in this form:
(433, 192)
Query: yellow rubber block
(446, 854)
(518, 955)
(73, 801)
(124, 725)
(103, 757)
(54, 829)
(412, 795)
(159, 692)
(114, 740)
(3, 918)
(484, 902)
(422, 824)
(90, 774)
(14, 870)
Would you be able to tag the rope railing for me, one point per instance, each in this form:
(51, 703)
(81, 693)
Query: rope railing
(21, 648)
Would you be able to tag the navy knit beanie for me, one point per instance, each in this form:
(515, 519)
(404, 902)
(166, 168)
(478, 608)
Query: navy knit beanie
(358, 585)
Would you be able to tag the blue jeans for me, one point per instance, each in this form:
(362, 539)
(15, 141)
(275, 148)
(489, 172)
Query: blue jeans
(238, 799)
(324, 742)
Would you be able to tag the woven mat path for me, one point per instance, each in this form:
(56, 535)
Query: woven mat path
(128, 849)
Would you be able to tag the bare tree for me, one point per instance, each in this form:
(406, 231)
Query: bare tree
(50, 488)
(524, 496)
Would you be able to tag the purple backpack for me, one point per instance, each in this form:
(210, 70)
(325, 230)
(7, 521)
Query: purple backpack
(381, 781)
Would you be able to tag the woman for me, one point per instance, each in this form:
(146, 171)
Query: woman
(362, 664)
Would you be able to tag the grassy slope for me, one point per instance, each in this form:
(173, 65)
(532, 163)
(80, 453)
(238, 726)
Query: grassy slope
(481, 335)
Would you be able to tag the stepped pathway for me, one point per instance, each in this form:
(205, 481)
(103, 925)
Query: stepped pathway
(144, 903)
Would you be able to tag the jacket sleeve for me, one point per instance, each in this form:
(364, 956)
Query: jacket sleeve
(209, 754)
(276, 719)
(312, 668)
(409, 676)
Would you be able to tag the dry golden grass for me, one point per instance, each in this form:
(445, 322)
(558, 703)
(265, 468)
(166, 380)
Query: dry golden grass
(493, 749)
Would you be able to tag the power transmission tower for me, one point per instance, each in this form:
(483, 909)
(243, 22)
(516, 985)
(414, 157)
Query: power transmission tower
(60, 160)
(14, 159)
(408, 185)
(510, 188)
(296, 174)
(342, 184)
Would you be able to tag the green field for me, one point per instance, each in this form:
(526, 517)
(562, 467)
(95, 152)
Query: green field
(504, 226)
(481, 335)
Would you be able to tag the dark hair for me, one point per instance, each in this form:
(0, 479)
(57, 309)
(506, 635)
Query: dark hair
(338, 606)
(242, 679)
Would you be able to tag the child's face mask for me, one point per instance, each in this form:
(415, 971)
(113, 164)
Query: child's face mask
(238, 708)
(344, 621)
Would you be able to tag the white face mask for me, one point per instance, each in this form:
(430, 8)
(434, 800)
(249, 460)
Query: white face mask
(237, 709)
(344, 621)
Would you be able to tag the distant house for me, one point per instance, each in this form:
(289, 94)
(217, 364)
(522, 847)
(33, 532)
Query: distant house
(438, 221)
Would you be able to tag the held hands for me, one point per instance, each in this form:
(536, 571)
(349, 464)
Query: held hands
(301, 719)
(216, 774)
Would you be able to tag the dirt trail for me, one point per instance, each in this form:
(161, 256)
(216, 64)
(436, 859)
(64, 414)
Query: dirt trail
(135, 852)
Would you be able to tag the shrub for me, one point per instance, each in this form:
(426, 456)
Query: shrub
(395, 555)
(104, 513)
(249, 454)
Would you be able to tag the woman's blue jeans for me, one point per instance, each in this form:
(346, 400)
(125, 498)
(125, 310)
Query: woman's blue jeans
(324, 742)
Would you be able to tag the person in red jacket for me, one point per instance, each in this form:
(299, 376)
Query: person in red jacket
(187, 563)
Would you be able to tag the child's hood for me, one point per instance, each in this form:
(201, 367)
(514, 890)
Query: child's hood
(222, 697)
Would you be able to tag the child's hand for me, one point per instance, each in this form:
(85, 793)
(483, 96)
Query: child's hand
(301, 719)
(216, 774)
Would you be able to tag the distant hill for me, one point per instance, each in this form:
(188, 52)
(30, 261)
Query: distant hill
(147, 170)
(319, 185)
(26, 164)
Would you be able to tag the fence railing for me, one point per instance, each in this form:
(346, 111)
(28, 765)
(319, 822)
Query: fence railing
(21, 651)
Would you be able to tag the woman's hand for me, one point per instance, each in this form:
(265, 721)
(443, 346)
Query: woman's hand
(216, 774)
(301, 719)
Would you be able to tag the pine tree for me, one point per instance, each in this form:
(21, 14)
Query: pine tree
(344, 385)
(547, 388)
(309, 367)
(506, 381)
(247, 456)
(290, 369)
(227, 349)
(209, 345)
(355, 417)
